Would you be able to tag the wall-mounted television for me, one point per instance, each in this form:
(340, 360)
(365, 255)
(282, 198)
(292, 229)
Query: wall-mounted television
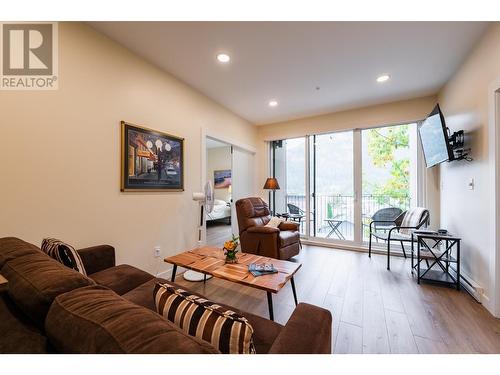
(435, 139)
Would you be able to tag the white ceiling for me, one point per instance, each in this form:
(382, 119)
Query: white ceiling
(286, 61)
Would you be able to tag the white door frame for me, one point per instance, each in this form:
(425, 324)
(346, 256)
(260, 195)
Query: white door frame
(357, 148)
(205, 132)
(494, 156)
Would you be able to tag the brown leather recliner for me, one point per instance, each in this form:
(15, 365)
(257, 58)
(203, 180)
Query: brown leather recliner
(255, 238)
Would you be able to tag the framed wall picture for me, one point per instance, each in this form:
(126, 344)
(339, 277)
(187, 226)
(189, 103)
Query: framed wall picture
(222, 179)
(151, 160)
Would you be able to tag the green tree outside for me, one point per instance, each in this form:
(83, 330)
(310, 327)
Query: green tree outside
(382, 145)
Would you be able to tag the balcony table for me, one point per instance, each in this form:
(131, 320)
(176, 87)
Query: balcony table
(334, 228)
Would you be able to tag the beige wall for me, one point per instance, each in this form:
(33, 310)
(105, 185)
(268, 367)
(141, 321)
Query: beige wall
(470, 213)
(60, 174)
(219, 158)
(384, 114)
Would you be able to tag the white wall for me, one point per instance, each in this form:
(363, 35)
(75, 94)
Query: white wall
(243, 161)
(60, 174)
(470, 213)
(219, 158)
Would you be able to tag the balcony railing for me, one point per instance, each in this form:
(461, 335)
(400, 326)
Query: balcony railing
(341, 208)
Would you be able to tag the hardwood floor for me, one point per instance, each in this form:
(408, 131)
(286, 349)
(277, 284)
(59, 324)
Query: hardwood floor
(374, 310)
(217, 233)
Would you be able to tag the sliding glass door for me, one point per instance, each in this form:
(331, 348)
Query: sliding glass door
(332, 186)
(335, 184)
(389, 173)
(289, 168)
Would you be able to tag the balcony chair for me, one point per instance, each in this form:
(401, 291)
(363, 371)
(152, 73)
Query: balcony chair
(256, 238)
(401, 229)
(296, 213)
(384, 219)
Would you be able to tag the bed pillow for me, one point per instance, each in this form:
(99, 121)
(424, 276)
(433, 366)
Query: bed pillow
(63, 253)
(224, 329)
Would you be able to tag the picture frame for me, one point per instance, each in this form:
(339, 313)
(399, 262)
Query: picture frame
(222, 179)
(151, 160)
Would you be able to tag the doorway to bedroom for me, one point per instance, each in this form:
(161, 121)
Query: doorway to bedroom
(219, 173)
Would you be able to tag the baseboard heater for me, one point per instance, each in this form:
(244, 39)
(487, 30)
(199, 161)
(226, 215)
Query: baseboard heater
(473, 288)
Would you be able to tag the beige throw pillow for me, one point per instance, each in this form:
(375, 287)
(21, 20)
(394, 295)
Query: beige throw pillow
(274, 222)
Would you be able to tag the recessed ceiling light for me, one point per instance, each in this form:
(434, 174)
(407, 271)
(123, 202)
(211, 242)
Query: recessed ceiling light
(223, 58)
(273, 103)
(383, 78)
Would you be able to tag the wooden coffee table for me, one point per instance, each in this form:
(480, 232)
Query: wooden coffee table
(4, 284)
(210, 261)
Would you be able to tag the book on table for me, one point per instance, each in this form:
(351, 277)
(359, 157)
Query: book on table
(261, 269)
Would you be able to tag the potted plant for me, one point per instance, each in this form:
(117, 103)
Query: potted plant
(230, 249)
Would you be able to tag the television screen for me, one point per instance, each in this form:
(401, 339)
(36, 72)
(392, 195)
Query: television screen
(434, 137)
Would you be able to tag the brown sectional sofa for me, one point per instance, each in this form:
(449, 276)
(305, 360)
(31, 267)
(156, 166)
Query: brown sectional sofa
(50, 308)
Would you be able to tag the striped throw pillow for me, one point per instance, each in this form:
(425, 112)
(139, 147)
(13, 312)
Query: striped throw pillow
(224, 329)
(63, 253)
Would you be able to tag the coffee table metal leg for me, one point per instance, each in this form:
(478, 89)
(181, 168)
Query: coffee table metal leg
(292, 281)
(174, 270)
(270, 303)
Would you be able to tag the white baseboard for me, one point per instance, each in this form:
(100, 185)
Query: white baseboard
(168, 273)
(165, 274)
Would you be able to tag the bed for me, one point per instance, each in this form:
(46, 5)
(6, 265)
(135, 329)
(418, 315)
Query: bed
(221, 211)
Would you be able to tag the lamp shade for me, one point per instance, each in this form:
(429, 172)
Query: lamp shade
(271, 184)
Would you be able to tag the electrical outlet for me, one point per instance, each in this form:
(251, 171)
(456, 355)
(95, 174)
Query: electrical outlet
(157, 251)
(470, 184)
